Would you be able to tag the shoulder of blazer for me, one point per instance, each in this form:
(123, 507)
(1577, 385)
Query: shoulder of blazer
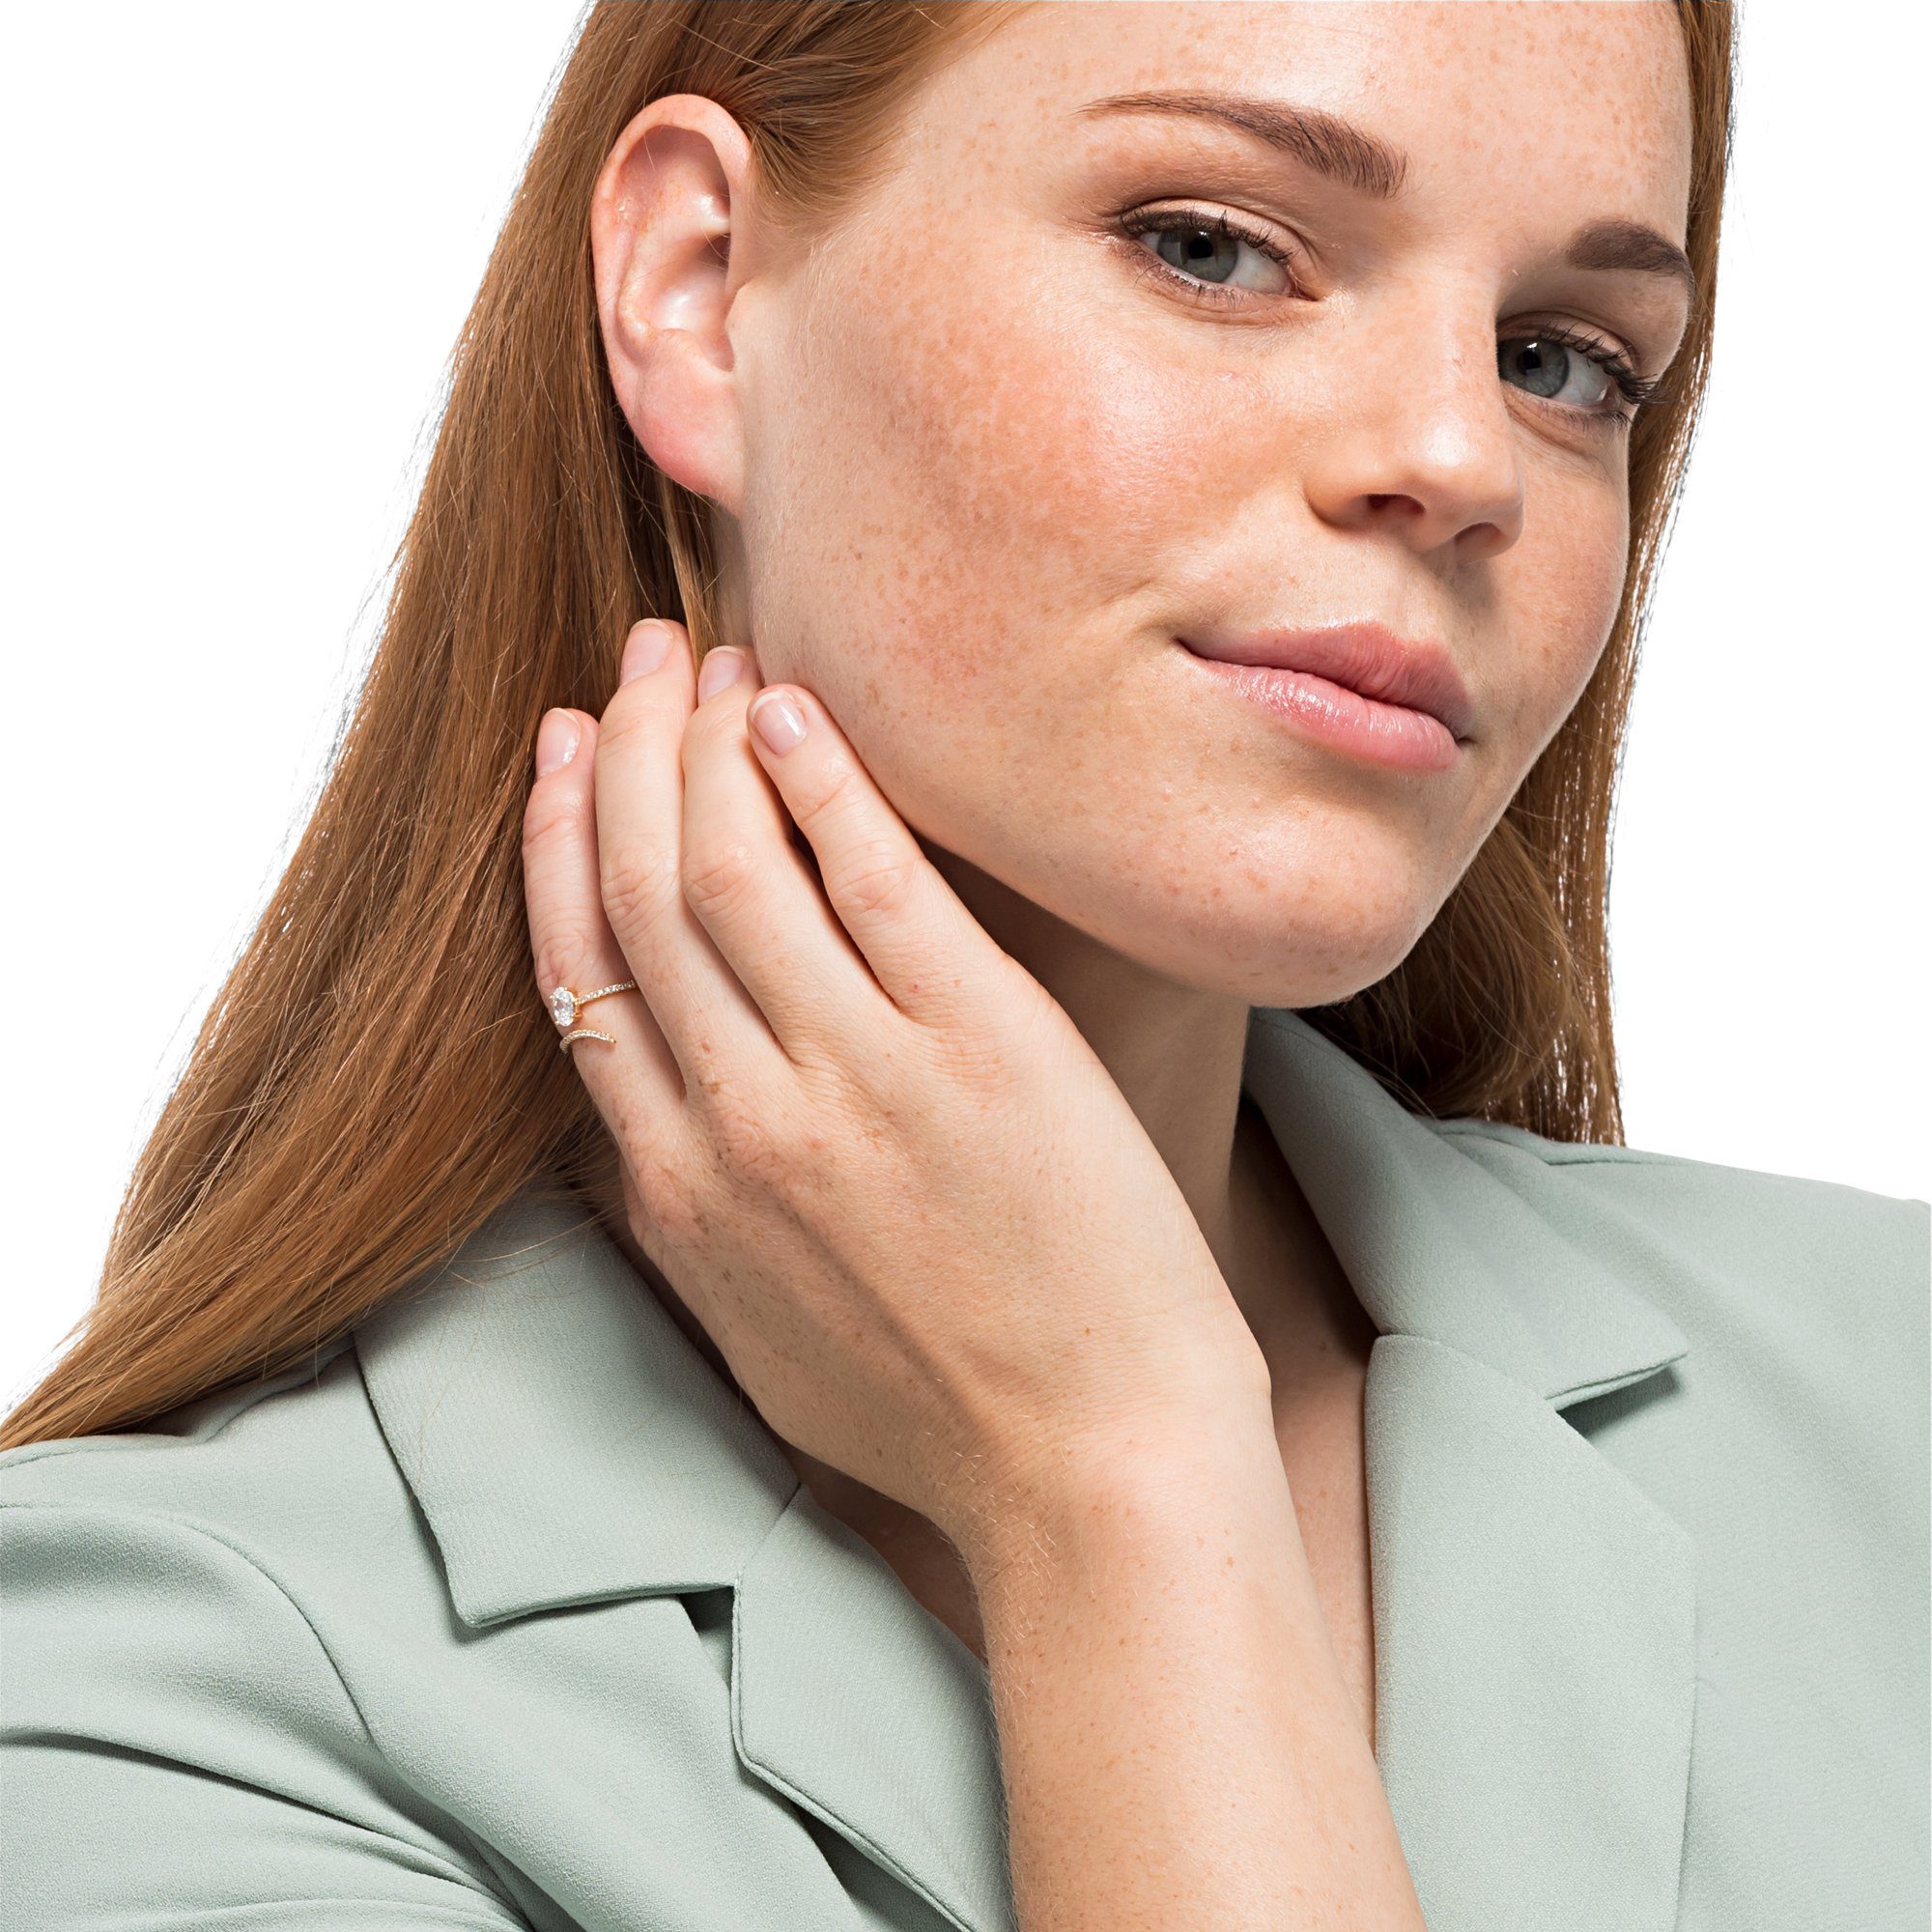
(168, 1685)
(198, 1422)
(1833, 1280)
(1713, 1204)
(285, 1474)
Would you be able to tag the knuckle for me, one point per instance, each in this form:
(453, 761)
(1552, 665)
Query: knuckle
(551, 814)
(836, 795)
(563, 954)
(707, 727)
(746, 1139)
(873, 876)
(976, 1059)
(674, 1206)
(1005, 1022)
(636, 887)
(631, 713)
(719, 878)
(708, 722)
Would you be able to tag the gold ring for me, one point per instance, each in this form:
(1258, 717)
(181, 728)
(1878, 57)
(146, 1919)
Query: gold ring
(564, 1005)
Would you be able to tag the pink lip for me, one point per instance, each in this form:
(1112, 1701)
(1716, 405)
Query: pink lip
(1355, 686)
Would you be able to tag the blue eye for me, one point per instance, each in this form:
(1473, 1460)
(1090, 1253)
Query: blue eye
(1199, 256)
(1208, 245)
(1551, 357)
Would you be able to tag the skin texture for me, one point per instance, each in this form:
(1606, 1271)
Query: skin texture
(972, 472)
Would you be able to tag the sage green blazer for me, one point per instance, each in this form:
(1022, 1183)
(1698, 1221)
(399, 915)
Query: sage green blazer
(506, 1612)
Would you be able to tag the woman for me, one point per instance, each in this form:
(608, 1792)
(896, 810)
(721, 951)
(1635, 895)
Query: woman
(1070, 1338)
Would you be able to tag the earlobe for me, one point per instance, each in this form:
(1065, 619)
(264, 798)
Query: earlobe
(668, 219)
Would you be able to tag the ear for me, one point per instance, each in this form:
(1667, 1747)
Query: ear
(669, 217)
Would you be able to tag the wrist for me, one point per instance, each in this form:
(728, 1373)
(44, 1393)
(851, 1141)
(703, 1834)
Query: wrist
(1081, 1501)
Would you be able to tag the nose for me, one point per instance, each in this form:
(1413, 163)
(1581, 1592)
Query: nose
(1417, 438)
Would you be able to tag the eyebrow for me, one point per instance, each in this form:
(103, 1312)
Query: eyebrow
(1339, 151)
(1617, 243)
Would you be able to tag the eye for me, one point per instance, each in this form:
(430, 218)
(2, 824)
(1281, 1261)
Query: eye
(1198, 252)
(1552, 357)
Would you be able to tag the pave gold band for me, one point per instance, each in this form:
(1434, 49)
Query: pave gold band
(565, 1005)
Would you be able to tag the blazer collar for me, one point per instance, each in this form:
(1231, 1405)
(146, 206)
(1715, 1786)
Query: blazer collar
(1472, 1242)
(1533, 1609)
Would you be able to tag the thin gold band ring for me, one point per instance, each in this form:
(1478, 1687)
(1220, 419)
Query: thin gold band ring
(565, 1005)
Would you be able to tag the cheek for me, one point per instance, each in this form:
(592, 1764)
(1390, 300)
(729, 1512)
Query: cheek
(1561, 587)
(971, 520)
(1556, 597)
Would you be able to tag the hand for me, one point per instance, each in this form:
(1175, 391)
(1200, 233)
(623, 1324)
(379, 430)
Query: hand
(869, 1151)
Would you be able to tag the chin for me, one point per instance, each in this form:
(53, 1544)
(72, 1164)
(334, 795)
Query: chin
(1278, 955)
(1291, 934)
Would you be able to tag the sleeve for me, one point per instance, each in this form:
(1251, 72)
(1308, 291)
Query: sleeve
(178, 1750)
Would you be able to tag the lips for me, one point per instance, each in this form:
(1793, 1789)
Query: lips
(1365, 658)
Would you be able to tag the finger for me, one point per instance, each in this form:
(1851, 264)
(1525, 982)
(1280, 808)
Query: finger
(572, 946)
(924, 946)
(710, 1023)
(757, 892)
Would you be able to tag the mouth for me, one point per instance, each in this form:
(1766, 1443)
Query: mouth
(1356, 687)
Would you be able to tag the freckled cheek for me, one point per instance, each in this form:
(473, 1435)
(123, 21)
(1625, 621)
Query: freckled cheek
(1083, 463)
(973, 516)
(1029, 473)
(1561, 591)
(963, 517)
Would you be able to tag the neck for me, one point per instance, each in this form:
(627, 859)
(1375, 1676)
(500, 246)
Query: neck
(1176, 1052)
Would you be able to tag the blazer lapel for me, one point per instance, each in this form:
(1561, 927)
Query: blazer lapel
(1534, 1618)
(850, 1697)
(1533, 1609)
(568, 1444)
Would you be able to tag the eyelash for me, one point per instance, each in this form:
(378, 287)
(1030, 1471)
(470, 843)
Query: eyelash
(1634, 390)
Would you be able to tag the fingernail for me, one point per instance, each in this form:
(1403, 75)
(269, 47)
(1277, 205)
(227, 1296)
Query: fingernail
(644, 649)
(778, 721)
(723, 663)
(556, 741)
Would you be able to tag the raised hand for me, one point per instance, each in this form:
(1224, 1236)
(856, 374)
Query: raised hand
(868, 1151)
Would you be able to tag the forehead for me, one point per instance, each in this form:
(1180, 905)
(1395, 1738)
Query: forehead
(1584, 101)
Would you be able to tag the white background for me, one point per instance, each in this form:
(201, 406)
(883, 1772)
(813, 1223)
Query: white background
(242, 241)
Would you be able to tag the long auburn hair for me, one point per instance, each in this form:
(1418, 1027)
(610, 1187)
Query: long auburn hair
(373, 1078)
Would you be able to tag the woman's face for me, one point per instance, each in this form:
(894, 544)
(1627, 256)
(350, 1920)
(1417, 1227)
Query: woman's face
(999, 456)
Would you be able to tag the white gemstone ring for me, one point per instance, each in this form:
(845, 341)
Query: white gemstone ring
(565, 1005)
